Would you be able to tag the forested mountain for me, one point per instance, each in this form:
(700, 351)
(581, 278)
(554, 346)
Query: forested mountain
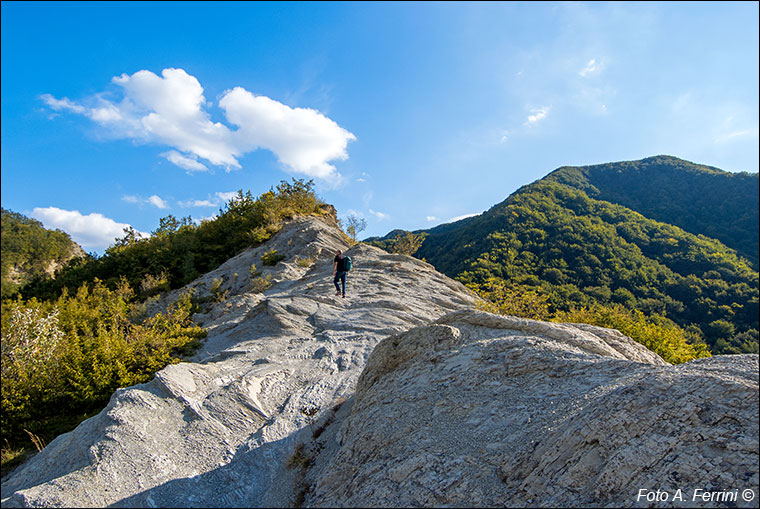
(699, 199)
(30, 251)
(553, 238)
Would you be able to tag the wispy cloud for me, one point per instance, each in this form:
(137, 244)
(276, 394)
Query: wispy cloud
(729, 136)
(190, 164)
(92, 231)
(172, 110)
(154, 200)
(430, 219)
(379, 215)
(218, 199)
(592, 67)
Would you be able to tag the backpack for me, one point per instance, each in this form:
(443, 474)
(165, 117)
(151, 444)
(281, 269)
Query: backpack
(347, 264)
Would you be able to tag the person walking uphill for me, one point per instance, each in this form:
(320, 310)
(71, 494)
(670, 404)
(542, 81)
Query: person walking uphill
(341, 268)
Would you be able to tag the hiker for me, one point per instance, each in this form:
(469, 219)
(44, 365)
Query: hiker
(341, 268)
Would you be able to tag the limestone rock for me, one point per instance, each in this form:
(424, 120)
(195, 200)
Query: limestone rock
(401, 394)
(217, 431)
(482, 410)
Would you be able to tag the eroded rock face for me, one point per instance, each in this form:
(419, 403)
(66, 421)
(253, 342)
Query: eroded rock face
(481, 410)
(453, 406)
(216, 432)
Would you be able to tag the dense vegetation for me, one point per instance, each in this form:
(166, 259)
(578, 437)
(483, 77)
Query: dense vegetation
(580, 253)
(179, 250)
(699, 199)
(29, 251)
(62, 359)
(69, 342)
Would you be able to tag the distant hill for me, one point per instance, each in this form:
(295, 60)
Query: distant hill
(561, 236)
(31, 251)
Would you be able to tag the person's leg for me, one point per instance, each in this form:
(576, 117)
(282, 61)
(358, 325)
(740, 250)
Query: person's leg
(343, 280)
(335, 282)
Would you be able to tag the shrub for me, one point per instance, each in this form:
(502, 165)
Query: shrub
(500, 298)
(658, 334)
(305, 262)
(261, 283)
(272, 257)
(62, 360)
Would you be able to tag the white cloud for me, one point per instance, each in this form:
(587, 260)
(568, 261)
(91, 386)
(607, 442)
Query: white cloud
(62, 104)
(188, 163)
(431, 218)
(171, 110)
(303, 139)
(591, 67)
(154, 200)
(219, 199)
(157, 201)
(197, 203)
(225, 197)
(379, 215)
(537, 114)
(92, 231)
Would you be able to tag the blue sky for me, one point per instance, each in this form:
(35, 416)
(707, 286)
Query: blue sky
(406, 114)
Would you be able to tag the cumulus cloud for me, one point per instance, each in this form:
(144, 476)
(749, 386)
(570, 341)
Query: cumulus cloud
(536, 115)
(94, 232)
(171, 110)
(157, 201)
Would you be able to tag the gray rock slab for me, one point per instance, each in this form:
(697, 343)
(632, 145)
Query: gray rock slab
(489, 411)
(217, 431)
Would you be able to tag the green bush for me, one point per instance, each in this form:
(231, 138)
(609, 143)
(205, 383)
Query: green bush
(62, 360)
(180, 250)
(272, 257)
(658, 334)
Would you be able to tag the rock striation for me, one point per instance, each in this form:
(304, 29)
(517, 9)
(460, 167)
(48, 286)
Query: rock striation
(482, 410)
(402, 394)
(217, 431)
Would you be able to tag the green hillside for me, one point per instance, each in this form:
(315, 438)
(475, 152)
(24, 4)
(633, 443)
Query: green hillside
(556, 240)
(30, 251)
(699, 199)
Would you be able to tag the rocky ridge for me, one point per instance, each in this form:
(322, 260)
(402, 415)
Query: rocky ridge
(481, 410)
(217, 431)
(284, 405)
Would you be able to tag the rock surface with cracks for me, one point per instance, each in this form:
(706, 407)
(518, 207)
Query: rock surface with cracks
(217, 431)
(454, 407)
(488, 411)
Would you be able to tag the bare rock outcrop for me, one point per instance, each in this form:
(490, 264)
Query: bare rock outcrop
(402, 394)
(482, 410)
(217, 432)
